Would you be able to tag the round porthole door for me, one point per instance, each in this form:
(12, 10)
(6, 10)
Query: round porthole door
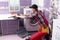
(33, 21)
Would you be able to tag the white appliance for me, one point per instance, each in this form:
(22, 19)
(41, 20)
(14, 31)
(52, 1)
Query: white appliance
(27, 24)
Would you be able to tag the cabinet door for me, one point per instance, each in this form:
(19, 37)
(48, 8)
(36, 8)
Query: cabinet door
(9, 27)
(4, 27)
(12, 26)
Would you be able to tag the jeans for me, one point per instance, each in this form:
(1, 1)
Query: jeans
(38, 36)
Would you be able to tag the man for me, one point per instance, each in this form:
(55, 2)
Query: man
(35, 14)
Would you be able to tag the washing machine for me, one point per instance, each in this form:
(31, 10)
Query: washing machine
(29, 24)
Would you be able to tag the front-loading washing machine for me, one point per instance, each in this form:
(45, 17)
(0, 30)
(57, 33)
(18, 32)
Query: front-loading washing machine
(30, 24)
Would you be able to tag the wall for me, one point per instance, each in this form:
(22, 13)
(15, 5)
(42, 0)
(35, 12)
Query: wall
(46, 5)
(4, 11)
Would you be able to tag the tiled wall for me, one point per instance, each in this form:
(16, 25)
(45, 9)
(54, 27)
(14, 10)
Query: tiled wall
(4, 11)
(3, 3)
(47, 5)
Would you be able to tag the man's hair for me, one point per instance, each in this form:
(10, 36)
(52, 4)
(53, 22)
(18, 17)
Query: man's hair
(34, 6)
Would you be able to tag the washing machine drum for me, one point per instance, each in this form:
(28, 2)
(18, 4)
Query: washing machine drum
(33, 21)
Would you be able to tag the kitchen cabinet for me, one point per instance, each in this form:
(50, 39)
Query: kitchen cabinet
(8, 27)
(0, 28)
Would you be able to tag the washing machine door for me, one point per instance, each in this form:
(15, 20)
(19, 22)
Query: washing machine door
(31, 24)
(33, 21)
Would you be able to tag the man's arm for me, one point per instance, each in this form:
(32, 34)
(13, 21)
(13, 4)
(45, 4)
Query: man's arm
(23, 16)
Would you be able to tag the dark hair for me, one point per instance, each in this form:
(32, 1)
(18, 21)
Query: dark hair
(34, 6)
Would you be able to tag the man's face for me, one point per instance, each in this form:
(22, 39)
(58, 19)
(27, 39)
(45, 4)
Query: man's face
(33, 10)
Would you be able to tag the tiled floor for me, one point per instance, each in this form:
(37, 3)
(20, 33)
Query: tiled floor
(11, 37)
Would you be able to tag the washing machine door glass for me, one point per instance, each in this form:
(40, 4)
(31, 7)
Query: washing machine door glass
(33, 21)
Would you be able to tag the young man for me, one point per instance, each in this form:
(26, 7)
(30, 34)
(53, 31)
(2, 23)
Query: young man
(35, 14)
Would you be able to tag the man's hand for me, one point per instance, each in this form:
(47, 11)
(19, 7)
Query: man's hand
(21, 16)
